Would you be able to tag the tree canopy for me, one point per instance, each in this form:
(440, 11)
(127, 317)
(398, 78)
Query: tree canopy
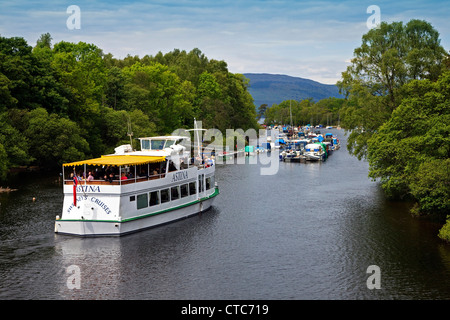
(416, 135)
(389, 57)
(325, 111)
(68, 101)
(397, 111)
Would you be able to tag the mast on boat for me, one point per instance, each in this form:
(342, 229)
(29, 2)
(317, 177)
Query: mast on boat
(196, 130)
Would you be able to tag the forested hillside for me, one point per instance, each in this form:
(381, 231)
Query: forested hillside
(274, 88)
(69, 101)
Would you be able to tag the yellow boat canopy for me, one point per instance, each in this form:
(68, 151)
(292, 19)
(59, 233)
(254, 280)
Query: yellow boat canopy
(119, 160)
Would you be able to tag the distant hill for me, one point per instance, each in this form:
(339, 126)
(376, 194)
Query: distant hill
(275, 88)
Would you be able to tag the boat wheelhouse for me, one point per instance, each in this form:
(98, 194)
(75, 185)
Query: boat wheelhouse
(133, 190)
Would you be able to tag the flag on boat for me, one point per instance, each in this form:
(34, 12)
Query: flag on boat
(75, 182)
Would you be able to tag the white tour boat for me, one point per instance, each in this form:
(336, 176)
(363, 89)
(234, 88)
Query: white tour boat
(135, 190)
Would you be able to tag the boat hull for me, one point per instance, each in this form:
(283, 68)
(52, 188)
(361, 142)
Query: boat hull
(95, 228)
(314, 157)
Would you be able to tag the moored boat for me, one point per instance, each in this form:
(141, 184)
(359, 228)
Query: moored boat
(314, 152)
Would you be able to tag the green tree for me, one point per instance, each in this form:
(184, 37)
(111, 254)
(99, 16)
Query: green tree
(431, 187)
(389, 57)
(6, 99)
(115, 88)
(18, 74)
(416, 135)
(242, 111)
(14, 143)
(45, 41)
(156, 91)
(82, 71)
(261, 111)
(208, 100)
(3, 163)
(54, 140)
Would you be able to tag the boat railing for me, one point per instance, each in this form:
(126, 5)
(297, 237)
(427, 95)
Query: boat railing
(116, 181)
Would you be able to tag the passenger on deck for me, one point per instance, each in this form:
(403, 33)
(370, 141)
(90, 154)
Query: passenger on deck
(209, 162)
(109, 177)
(143, 174)
(90, 177)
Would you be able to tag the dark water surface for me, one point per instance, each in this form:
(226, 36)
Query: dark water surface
(308, 232)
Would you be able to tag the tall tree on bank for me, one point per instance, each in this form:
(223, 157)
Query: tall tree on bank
(389, 57)
(397, 109)
(410, 153)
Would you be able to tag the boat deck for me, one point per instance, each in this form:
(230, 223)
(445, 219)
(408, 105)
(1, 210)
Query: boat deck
(116, 182)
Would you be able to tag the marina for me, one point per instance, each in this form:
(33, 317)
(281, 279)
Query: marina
(309, 232)
(303, 144)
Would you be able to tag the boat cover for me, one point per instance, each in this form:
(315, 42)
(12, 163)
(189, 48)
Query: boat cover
(313, 146)
(117, 160)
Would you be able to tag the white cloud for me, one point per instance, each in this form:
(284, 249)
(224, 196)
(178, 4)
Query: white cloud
(309, 39)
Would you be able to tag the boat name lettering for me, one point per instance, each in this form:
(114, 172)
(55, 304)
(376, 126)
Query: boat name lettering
(88, 189)
(98, 202)
(101, 204)
(179, 176)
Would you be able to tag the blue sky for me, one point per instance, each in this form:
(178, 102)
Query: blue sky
(308, 39)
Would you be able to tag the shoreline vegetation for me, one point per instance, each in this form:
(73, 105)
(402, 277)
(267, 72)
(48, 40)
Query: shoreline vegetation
(68, 101)
(396, 113)
(398, 102)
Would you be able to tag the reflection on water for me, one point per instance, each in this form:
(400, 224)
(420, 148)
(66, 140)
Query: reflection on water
(308, 232)
(142, 265)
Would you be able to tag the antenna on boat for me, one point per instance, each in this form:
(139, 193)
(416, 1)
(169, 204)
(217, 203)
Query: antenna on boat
(129, 132)
(290, 111)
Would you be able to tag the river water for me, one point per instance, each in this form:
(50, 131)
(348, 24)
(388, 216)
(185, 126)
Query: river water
(310, 231)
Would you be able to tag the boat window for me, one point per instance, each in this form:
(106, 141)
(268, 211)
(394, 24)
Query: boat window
(184, 190)
(142, 201)
(175, 192)
(165, 195)
(145, 144)
(208, 183)
(157, 144)
(169, 143)
(132, 198)
(192, 188)
(201, 186)
(154, 198)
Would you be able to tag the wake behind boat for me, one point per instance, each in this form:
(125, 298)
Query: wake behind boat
(133, 190)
